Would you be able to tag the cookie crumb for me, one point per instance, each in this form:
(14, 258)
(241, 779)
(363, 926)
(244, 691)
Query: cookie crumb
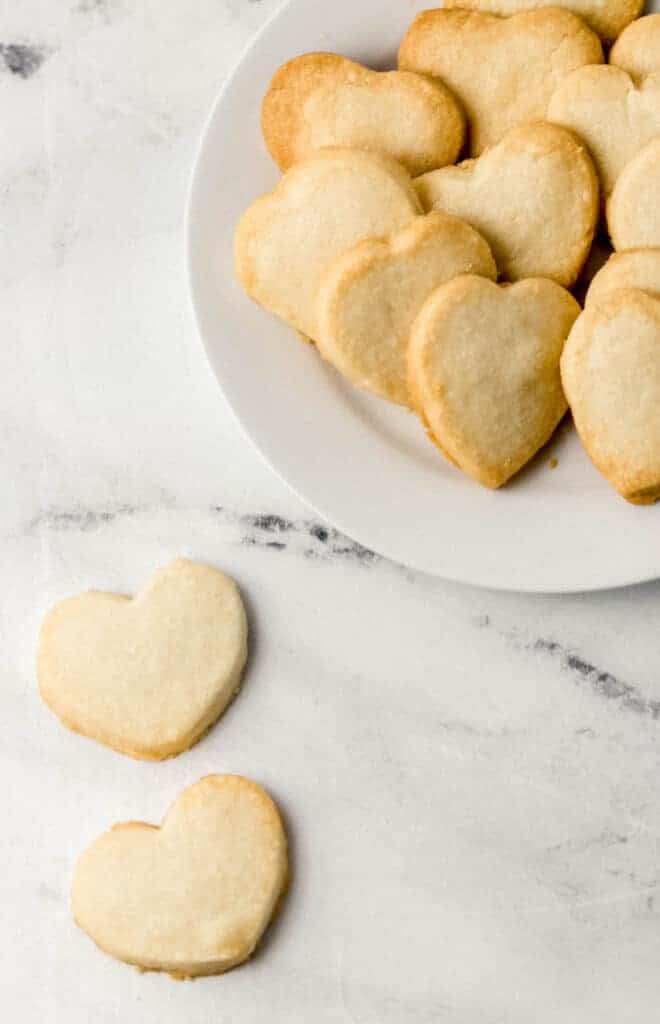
(554, 463)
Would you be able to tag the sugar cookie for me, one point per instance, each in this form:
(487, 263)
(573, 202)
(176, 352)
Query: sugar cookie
(615, 117)
(639, 268)
(321, 99)
(503, 70)
(321, 207)
(534, 197)
(611, 376)
(194, 896)
(146, 675)
(637, 50)
(606, 17)
(633, 209)
(483, 370)
(371, 294)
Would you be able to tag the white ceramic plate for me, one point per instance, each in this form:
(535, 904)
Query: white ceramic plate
(363, 465)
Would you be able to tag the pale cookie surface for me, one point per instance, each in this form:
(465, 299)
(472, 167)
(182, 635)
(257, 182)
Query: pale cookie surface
(321, 99)
(146, 675)
(637, 50)
(534, 197)
(321, 207)
(194, 896)
(370, 296)
(611, 375)
(639, 268)
(503, 70)
(483, 369)
(633, 209)
(614, 117)
(606, 17)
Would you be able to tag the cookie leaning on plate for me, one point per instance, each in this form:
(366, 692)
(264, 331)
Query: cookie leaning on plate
(321, 207)
(637, 268)
(615, 117)
(194, 896)
(146, 675)
(534, 197)
(633, 209)
(483, 370)
(321, 99)
(637, 50)
(606, 17)
(502, 70)
(370, 295)
(611, 376)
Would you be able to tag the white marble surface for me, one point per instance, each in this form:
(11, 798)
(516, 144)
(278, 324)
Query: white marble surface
(470, 779)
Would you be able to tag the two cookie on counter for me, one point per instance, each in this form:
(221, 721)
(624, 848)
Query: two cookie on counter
(148, 676)
(380, 250)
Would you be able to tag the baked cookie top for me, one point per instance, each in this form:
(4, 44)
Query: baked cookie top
(612, 114)
(503, 70)
(146, 675)
(611, 375)
(534, 197)
(370, 296)
(193, 896)
(321, 99)
(483, 370)
(322, 206)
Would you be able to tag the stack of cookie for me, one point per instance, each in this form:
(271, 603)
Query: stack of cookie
(445, 286)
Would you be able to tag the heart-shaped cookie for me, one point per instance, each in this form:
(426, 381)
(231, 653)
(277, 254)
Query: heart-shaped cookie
(606, 17)
(615, 117)
(611, 375)
(483, 370)
(146, 675)
(370, 296)
(321, 207)
(637, 50)
(321, 99)
(194, 896)
(534, 197)
(633, 209)
(639, 268)
(503, 70)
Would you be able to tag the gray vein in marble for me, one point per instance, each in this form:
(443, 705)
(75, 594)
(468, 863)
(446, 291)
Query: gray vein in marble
(601, 682)
(21, 59)
(309, 537)
(104, 7)
(83, 519)
(578, 902)
(318, 540)
(604, 839)
(604, 684)
(461, 729)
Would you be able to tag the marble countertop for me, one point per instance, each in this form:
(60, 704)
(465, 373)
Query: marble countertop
(470, 779)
